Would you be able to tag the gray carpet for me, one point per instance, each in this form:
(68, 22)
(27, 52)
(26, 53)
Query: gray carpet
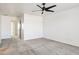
(15, 47)
(39, 46)
(44, 46)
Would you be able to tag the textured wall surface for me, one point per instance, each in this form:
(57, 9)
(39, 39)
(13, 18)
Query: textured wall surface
(33, 26)
(63, 26)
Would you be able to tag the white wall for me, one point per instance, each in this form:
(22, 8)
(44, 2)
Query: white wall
(0, 29)
(6, 29)
(63, 26)
(32, 26)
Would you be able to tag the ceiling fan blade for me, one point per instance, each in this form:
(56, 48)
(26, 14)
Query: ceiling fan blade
(36, 10)
(49, 10)
(51, 7)
(39, 6)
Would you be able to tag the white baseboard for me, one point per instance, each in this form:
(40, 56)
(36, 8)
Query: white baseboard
(73, 44)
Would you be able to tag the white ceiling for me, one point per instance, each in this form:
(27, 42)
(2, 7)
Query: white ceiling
(17, 9)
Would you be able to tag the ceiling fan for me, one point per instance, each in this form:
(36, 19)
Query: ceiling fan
(47, 9)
